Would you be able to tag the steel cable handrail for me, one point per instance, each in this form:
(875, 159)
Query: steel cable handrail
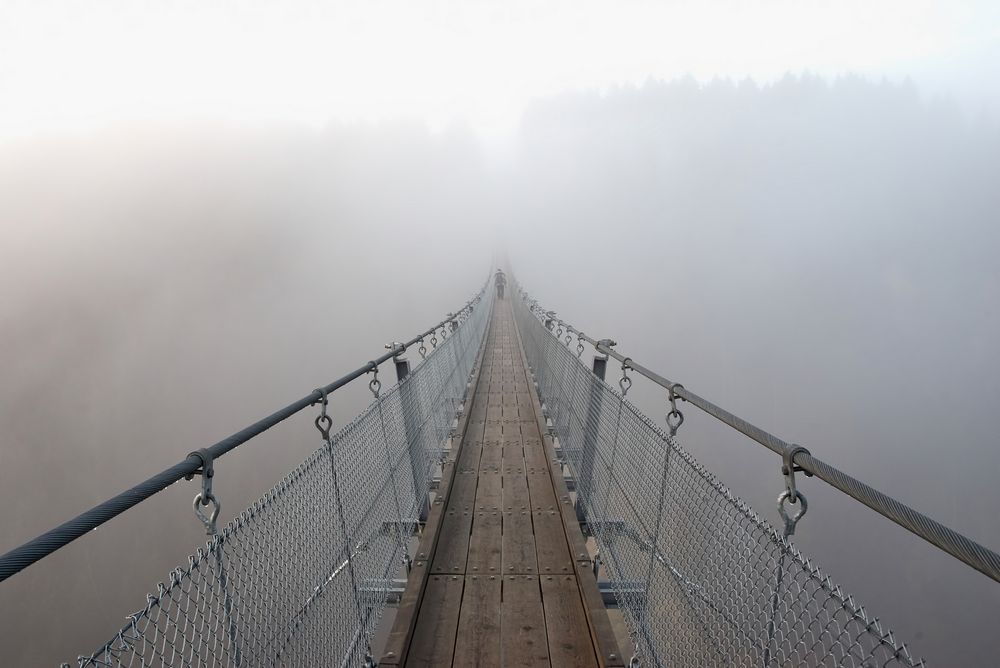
(965, 549)
(45, 544)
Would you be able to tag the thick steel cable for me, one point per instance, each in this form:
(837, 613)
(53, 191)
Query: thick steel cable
(41, 546)
(965, 549)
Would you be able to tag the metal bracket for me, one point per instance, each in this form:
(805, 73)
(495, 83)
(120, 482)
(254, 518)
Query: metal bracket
(791, 495)
(205, 496)
(395, 527)
(634, 592)
(610, 528)
(674, 418)
(789, 469)
(206, 471)
(373, 592)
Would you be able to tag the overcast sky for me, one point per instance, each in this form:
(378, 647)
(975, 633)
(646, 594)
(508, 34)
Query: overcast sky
(70, 65)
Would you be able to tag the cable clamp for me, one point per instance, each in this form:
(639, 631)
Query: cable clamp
(605, 343)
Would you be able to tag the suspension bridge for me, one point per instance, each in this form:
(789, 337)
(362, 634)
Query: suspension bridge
(510, 507)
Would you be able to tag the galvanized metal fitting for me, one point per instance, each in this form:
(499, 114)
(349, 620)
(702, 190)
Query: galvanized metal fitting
(788, 470)
(205, 496)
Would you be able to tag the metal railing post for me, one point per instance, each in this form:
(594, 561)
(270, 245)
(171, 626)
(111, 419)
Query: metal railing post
(412, 429)
(584, 484)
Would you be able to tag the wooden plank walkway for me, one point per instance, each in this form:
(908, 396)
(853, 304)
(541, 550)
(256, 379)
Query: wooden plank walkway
(503, 577)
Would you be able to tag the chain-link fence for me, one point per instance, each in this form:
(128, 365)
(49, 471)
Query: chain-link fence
(300, 578)
(700, 578)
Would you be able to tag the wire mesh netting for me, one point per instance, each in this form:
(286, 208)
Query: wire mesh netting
(299, 578)
(700, 578)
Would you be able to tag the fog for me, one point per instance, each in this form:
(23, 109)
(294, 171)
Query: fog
(817, 255)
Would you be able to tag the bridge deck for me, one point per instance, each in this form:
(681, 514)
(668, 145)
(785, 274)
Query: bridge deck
(503, 577)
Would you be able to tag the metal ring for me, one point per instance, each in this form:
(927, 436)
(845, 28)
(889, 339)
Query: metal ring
(323, 423)
(790, 522)
(375, 385)
(676, 421)
(207, 520)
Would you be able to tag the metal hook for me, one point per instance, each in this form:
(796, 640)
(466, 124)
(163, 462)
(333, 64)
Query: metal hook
(625, 383)
(323, 421)
(674, 418)
(205, 496)
(789, 468)
(375, 385)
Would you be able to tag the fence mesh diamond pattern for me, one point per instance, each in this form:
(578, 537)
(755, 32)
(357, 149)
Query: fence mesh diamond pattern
(299, 577)
(700, 578)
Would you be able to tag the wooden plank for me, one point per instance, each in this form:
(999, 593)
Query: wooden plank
(480, 399)
(493, 437)
(522, 623)
(470, 455)
(529, 428)
(602, 634)
(540, 491)
(515, 490)
(518, 545)
(478, 642)
(487, 527)
(570, 644)
(550, 544)
(492, 459)
(434, 636)
(494, 423)
(486, 543)
(398, 642)
(513, 455)
(452, 550)
(489, 492)
(535, 457)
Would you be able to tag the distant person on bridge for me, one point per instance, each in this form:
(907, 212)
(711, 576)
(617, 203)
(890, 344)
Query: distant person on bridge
(501, 280)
